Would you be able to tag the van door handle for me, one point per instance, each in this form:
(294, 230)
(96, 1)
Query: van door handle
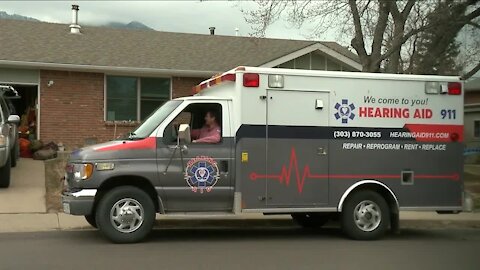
(321, 151)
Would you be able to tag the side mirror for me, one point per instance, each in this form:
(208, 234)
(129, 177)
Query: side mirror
(184, 133)
(14, 119)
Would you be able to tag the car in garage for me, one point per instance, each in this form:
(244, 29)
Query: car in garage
(8, 136)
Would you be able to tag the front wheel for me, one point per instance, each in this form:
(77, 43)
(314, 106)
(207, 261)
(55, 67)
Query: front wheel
(91, 220)
(365, 216)
(125, 214)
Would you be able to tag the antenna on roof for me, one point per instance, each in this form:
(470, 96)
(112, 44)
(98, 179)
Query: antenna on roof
(74, 27)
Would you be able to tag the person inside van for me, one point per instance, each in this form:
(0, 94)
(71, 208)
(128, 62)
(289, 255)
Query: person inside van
(211, 130)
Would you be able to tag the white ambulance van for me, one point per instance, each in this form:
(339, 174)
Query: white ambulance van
(315, 145)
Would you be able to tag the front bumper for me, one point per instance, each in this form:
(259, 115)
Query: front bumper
(79, 203)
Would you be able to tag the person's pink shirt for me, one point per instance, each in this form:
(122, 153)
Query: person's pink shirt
(207, 134)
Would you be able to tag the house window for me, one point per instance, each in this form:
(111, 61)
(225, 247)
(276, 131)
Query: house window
(153, 93)
(476, 128)
(133, 99)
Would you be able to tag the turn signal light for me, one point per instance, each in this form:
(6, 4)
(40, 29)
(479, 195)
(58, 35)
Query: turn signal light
(88, 170)
(251, 80)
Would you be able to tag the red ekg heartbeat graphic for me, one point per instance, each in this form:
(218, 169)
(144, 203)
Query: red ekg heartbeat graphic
(286, 174)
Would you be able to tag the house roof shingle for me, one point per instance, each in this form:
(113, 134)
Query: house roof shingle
(100, 46)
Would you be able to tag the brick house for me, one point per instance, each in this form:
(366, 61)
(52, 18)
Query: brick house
(99, 83)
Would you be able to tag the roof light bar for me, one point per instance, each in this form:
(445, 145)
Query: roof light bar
(214, 81)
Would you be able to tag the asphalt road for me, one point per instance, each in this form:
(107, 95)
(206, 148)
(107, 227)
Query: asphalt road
(237, 248)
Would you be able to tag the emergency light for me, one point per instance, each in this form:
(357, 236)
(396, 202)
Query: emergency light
(275, 81)
(454, 88)
(251, 79)
(451, 88)
(432, 88)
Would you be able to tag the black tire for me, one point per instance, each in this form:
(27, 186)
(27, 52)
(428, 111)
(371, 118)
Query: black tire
(311, 220)
(379, 223)
(105, 209)
(91, 220)
(5, 174)
(13, 156)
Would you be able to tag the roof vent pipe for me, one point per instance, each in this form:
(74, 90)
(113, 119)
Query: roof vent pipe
(212, 30)
(74, 27)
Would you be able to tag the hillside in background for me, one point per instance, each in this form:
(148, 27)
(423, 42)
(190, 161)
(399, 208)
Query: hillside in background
(5, 15)
(130, 25)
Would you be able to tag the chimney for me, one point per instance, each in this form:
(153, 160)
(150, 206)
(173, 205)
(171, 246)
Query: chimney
(236, 31)
(74, 27)
(212, 30)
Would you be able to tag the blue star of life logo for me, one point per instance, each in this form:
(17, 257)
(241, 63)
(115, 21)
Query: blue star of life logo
(202, 174)
(344, 111)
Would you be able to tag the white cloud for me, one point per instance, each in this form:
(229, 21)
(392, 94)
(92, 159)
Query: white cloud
(174, 16)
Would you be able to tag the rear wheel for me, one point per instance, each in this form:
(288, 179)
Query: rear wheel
(311, 220)
(91, 220)
(125, 214)
(365, 216)
(5, 174)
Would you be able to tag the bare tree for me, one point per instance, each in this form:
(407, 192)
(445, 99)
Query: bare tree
(385, 34)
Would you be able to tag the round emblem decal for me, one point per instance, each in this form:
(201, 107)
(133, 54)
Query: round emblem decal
(202, 174)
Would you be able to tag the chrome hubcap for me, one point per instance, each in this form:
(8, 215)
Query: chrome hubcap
(127, 215)
(367, 216)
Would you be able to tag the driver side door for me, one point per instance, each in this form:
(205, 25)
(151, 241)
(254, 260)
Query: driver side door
(196, 177)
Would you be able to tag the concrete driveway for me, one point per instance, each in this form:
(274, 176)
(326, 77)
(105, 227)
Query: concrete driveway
(26, 193)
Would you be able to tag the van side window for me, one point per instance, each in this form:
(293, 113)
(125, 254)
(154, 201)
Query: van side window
(205, 120)
(170, 133)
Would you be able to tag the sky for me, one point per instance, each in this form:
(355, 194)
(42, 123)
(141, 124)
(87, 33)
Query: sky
(173, 16)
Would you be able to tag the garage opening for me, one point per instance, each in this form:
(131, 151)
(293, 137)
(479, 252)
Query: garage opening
(26, 106)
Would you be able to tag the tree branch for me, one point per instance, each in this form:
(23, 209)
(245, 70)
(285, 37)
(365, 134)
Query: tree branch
(474, 24)
(358, 42)
(408, 8)
(365, 7)
(471, 72)
(383, 12)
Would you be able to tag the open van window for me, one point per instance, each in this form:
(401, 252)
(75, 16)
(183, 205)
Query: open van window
(196, 116)
(153, 120)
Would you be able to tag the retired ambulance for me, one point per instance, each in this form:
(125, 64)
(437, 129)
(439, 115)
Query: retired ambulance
(315, 145)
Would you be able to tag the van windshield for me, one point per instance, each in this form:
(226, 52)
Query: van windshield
(153, 120)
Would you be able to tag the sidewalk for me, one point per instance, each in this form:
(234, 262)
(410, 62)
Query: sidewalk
(31, 222)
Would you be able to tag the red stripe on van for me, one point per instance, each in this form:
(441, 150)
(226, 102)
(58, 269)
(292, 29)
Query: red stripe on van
(147, 143)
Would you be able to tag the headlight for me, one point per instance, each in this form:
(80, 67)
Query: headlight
(81, 171)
